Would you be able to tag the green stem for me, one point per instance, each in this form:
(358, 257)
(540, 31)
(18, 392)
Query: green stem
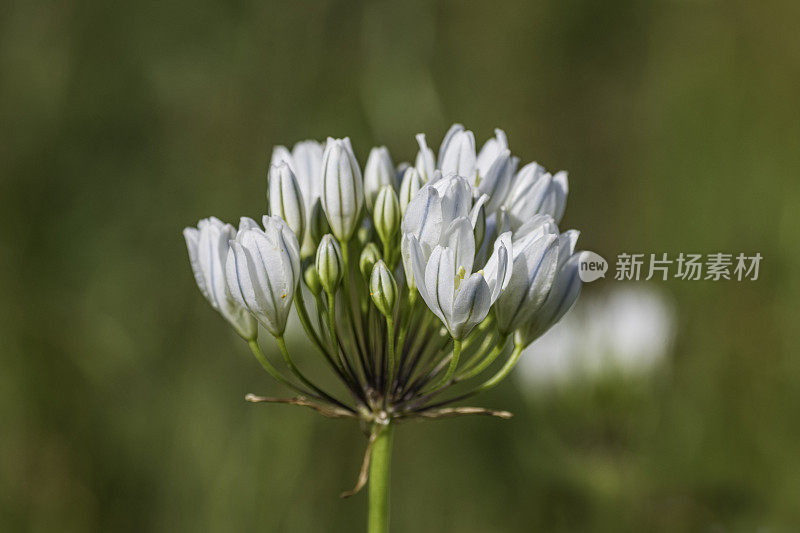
(484, 364)
(351, 298)
(256, 349)
(451, 370)
(380, 461)
(302, 314)
(406, 321)
(332, 326)
(390, 365)
(296, 371)
(503, 372)
(488, 384)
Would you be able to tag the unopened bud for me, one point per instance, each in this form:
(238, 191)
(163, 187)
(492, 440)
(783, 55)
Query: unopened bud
(383, 289)
(378, 173)
(285, 198)
(387, 214)
(330, 266)
(342, 188)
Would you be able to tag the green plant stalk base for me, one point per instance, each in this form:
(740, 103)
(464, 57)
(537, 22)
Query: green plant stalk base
(380, 464)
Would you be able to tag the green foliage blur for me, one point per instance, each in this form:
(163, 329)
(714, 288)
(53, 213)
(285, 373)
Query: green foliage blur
(122, 392)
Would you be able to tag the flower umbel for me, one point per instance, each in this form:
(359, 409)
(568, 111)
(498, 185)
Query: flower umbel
(409, 283)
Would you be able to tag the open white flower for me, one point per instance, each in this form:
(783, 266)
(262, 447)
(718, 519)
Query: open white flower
(263, 270)
(208, 252)
(535, 263)
(429, 215)
(459, 297)
(438, 249)
(564, 292)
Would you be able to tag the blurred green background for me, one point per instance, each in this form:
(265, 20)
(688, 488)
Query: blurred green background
(121, 391)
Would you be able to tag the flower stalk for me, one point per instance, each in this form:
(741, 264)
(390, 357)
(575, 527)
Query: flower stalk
(379, 477)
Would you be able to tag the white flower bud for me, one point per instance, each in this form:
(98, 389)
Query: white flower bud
(409, 187)
(330, 266)
(378, 173)
(307, 160)
(263, 270)
(285, 198)
(209, 247)
(387, 214)
(342, 188)
(383, 289)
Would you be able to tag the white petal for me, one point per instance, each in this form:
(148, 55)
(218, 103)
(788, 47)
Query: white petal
(378, 173)
(456, 194)
(497, 180)
(281, 154)
(285, 197)
(566, 245)
(192, 236)
(562, 296)
(424, 163)
(307, 157)
(247, 223)
(423, 218)
(528, 193)
(533, 272)
(461, 240)
(454, 129)
(471, 305)
(440, 282)
(459, 156)
(560, 187)
(491, 149)
(498, 269)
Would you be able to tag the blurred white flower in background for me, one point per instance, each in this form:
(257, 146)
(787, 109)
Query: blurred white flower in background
(624, 329)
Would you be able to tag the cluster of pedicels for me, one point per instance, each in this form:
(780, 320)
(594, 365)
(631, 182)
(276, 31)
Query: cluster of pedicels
(411, 281)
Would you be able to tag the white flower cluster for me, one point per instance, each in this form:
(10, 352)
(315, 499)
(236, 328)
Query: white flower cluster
(466, 230)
